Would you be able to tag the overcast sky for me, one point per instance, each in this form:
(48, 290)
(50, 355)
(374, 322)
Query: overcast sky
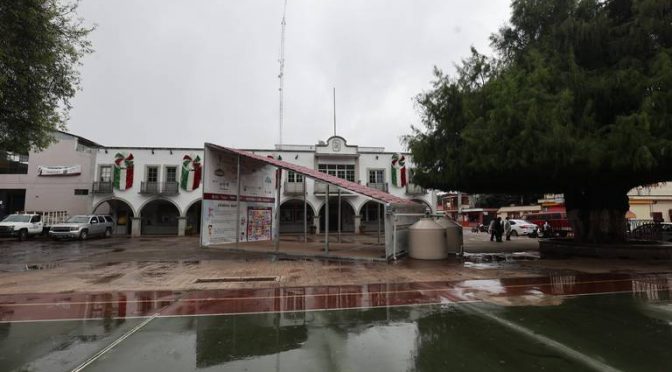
(180, 73)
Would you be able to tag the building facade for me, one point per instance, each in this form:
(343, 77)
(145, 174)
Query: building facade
(57, 179)
(157, 190)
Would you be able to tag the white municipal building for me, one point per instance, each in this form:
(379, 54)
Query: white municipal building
(157, 190)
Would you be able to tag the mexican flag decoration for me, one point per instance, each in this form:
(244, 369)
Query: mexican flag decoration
(399, 171)
(123, 171)
(191, 173)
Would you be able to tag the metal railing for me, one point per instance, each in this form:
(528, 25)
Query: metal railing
(102, 188)
(293, 188)
(413, 189)
(649, 230)
(382, 186)
(159, 188)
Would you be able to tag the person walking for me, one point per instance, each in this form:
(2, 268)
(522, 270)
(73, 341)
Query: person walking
(507, 228)
(499, 229)
(491, 230)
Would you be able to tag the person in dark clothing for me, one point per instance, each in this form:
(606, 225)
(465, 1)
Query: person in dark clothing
(491, 230)
(499, 229)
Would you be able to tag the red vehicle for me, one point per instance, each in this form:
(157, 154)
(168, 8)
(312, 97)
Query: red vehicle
(557, 220)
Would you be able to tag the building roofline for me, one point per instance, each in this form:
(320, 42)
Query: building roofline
(84, 141)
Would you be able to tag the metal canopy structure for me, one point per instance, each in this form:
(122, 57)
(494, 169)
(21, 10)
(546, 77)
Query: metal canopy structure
(376, 194)
(398, 213)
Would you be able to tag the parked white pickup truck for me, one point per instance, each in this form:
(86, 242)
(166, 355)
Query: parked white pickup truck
(21, 226)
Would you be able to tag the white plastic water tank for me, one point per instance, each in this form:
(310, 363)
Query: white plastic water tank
(427, 240)
(454, 238)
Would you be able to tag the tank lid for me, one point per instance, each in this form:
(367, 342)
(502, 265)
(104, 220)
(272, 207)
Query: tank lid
(426, 224)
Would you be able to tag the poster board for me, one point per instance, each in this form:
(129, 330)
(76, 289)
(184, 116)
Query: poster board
(224, 214)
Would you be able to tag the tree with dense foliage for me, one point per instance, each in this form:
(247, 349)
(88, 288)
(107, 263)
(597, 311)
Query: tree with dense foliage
(505, 200)
(577, 100)
(41, 44)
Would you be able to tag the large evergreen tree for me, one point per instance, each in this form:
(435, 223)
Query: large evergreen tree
(577, 100)
(41, 43)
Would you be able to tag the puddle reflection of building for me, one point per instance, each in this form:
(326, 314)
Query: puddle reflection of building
(562, 283)
(653, 288)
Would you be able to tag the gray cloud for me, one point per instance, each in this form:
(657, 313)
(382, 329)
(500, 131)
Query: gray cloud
(178, 73)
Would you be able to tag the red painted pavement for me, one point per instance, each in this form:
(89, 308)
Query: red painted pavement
(59, 306)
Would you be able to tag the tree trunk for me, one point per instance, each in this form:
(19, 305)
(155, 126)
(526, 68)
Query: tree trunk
(597, 214)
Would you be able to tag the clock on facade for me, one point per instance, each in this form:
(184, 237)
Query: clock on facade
(336, 145)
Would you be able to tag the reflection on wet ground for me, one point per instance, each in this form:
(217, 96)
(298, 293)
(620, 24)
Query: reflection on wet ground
(526, 291)
(559, 322)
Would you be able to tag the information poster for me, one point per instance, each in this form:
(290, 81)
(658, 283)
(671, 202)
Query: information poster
(259, 223)
(223, 213)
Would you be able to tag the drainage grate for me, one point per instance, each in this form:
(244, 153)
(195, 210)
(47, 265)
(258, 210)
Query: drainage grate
(239, 279)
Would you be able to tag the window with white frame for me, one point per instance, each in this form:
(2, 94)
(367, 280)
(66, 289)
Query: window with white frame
(171, 174)
(376, 176)
(152, 174)
(105, 174)
(294, 177)
(343, 171)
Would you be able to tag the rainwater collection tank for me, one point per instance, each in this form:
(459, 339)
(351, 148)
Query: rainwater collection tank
(427, 240)
(454, 239)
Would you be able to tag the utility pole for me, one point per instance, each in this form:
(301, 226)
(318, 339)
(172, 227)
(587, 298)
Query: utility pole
(334, 111)
(281, 76)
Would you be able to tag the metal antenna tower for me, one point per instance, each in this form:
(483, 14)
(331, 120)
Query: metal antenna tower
(281, 76)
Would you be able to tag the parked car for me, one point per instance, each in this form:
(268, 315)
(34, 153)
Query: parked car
(522, 227)
(21, 226)
(82, 227)
(661, 231)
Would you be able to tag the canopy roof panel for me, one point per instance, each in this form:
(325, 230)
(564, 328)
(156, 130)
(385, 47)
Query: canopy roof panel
(323, 177)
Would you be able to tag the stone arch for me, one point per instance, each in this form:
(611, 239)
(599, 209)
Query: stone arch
(159, 216)
(111, 199)
(122, 213)
(347, 215)
(291, 215)
(370, 214)
(192, 214)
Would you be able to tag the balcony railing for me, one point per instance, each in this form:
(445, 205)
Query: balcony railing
(382, 186)
(413, 189)
(293, 188)
(321, 188)
(102, 188)
(159, 188)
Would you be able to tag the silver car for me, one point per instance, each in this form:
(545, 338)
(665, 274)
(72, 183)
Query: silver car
(82, 227)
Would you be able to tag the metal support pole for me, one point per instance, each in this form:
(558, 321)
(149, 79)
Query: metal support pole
(459, 208)
(305, 213)
(378, 219)
(278, 180)
(238, 203)
(326, 221)
(339, 214)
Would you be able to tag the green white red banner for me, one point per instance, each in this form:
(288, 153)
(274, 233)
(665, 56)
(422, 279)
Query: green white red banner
(123, 171)
(191, 172)
(398, 171)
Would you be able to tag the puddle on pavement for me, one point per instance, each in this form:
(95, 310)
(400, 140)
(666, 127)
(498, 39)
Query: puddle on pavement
(106, 278)
(583, 333)
(496, 260)
(37, 267)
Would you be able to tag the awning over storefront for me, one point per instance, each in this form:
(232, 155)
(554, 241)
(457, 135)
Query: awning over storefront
(376, 194)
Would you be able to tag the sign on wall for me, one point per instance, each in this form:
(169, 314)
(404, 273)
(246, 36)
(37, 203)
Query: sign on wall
(59, 170)
(224, 213)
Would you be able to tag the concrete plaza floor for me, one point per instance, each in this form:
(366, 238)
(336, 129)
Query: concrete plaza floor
(172, 263)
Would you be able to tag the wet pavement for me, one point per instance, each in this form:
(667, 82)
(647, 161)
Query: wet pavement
(559, 322)
(166, 304)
